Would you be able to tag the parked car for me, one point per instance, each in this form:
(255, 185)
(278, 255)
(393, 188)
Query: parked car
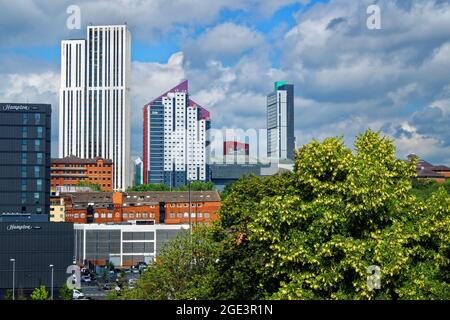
(135, 270)
(127, 270)
(77, 294)
(107, 287)
(86, 278)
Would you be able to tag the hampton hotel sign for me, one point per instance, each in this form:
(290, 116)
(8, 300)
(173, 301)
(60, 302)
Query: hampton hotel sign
(17, 107)
(21, 227)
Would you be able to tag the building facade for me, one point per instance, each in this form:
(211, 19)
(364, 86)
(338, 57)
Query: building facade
(34, 247)
(25, 131)
(280, 122)
(428, 171)
(57, 210)
(175, 139)
(71, 171)
(153, 207)
(231, 148)
(124, 245)
(95, 101)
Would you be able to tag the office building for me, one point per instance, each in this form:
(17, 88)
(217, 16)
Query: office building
(280, 122)
(95, 101)
(160, 207)
(25, 131)
(73, 171)
(124, 245)
(35, 246)
(175, 139)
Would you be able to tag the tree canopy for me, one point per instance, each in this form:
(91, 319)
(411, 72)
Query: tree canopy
(316, 233)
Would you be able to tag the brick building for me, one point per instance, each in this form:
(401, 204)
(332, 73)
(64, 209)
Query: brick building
(69, 171)
(155, 207)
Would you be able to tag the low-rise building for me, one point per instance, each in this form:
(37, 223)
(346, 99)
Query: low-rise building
(71, 171)
(124, 245)
(426, 170)
(57, 209)
(162, 207)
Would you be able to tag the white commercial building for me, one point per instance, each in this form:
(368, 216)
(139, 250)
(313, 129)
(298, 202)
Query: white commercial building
(121, 244)
(95, 101)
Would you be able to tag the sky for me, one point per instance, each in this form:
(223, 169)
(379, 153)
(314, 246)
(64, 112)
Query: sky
(347, 77)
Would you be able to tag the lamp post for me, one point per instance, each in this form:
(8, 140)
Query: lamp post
(14, 279)
(51, 292)
(190, 209)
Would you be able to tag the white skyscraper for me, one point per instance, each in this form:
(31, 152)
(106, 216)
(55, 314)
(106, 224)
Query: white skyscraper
(95, 100)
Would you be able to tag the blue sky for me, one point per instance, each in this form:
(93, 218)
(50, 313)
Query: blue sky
(347, 78)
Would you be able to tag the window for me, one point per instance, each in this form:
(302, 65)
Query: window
(186, 215)
(200, 215)
(23, 198)
(37, 145)
(152, 215)
(24, 185)
(179, 215)
(81, 215)
(40, 132)
(109, 215)
(206, 215)
(131, 215)
(37, 172)
(38, 210)
(24, 158)
(24, 132)
(144, 216)
(37, 118)
(76, 216)
(125, 216)
(172, 215)
(39, 158)
(39, 185)
(24, 145)
(24, 172)
(96, 215)
(37, 198)
(24, 118)
(192, 214)
(103, 215)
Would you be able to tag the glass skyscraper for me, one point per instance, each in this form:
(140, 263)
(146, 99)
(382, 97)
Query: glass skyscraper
(280, 122)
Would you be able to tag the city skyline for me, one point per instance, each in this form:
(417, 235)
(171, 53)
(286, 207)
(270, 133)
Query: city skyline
(386, 79)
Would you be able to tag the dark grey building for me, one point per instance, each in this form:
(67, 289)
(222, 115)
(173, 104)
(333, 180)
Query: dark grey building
(25, 131)
(34, 246)
(280, 122)
(225, 174)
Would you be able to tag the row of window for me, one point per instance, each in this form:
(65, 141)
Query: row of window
(180, 205)
(180, 215)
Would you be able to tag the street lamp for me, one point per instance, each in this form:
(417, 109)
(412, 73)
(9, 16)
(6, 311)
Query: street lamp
(51, 294)
(14, 278)
(190, 209)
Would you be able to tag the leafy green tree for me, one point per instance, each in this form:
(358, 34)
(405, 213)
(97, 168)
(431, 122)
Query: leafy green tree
(40, 293)
(65, 293)
(314, 234)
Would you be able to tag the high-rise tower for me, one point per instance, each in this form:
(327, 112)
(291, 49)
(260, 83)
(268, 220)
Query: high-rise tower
(280, 122)
(95, 102)
(175, 139)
